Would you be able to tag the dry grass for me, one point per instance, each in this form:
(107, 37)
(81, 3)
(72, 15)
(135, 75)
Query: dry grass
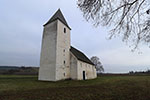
(102, 88)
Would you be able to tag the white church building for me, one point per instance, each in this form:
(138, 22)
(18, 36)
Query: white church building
(59, 60)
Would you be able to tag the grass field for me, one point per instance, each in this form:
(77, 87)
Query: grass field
(13, 87)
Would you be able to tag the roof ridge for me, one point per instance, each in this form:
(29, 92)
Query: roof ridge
(80, 55)
(78, 50)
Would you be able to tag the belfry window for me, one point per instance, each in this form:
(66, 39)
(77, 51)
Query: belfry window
(64, 30)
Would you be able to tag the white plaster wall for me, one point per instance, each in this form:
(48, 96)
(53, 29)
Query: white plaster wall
(55, 50)
(90, 70)
(62, 52)
(73, 67)
(48, 53)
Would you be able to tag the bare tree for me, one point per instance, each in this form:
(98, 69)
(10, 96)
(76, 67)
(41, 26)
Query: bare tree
(129, 19)
(97, 63)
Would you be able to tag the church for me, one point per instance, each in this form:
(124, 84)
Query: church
(59, 60)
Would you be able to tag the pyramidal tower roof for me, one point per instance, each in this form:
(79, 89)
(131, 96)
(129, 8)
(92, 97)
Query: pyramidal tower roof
(58, 15)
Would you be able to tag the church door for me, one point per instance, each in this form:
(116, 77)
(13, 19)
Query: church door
(83, 75)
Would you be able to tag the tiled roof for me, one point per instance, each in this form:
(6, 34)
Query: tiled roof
(80, 56)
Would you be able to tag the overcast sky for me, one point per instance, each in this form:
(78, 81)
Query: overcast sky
(21, 27)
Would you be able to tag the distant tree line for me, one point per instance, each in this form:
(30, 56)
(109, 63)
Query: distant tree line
(139, 72)
(5, 70)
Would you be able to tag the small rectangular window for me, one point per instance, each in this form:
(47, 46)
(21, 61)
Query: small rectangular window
(64, 62)
(64, 30)
(64, 74)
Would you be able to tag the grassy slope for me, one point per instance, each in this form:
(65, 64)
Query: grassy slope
(102, 88)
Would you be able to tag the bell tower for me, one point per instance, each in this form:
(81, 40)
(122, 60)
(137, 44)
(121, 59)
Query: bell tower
(55, 50)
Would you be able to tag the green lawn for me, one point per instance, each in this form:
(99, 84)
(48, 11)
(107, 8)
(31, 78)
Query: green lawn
(17, 87)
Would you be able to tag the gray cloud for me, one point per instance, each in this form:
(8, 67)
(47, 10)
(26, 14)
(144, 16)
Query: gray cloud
(21, 32)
